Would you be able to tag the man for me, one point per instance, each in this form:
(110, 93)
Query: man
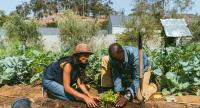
(123, 66)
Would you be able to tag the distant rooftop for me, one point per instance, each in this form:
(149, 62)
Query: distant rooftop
(49, 31)
(118, 20)
(175, 27)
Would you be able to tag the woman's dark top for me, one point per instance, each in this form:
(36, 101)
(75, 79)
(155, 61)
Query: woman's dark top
(55, 72)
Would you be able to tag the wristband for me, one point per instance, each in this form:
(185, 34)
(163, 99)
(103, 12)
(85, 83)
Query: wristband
(128, 95)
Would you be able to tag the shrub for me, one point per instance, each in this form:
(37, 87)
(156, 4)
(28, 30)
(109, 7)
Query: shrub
(52, 24)
(21, 33)
(74, 30)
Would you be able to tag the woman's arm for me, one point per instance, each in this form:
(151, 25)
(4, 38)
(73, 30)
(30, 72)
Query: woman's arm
(82, 86)
(66, 82)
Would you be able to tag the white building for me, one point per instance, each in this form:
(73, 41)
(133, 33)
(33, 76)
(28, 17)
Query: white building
(50, 38)
(116, 24)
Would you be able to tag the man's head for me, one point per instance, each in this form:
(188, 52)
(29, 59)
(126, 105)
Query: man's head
(116, 52)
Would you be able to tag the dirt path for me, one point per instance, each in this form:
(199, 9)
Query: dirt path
(9, 93)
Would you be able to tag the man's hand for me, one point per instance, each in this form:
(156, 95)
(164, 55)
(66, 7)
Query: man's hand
(121, 101)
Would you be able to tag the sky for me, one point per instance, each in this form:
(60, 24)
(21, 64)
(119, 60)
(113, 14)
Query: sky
(9, 5)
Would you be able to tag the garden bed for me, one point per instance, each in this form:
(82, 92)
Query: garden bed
(9, 93)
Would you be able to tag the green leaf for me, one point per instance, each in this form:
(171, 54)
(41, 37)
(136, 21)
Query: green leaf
(196, 81)
(183, 85)
(184, 63)
(188, 68)
(35, 77)
(198, 92)
(171, 75)
(165, 92)
(158, 72)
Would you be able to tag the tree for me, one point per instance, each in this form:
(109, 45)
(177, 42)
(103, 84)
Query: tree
(51, 7)
(23, 9)
(3, 17)
(74, 30)
(79, 7)
(22, 32)
(183, 5)
(99, 7)
(38, 7)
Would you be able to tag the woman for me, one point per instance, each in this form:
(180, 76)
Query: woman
(61, 75)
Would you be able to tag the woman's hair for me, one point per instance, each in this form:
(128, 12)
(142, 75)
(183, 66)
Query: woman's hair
(82, 68)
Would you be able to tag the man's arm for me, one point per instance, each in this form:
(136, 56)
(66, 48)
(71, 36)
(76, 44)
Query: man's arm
(135, 84)
(117, 80)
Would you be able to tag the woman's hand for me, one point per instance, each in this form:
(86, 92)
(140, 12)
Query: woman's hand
(98, 98)
(90, 101)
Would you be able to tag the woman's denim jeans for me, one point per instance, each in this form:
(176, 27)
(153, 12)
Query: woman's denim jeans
(56, 90)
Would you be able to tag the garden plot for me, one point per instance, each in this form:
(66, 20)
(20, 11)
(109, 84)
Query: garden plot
(9, 93)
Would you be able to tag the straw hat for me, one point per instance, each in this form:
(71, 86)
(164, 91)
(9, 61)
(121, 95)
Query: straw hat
(82, 48)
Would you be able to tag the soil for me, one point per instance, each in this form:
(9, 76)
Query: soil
(34, 92)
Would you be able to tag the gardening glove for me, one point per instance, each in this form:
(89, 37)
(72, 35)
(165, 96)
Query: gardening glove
(121, 101)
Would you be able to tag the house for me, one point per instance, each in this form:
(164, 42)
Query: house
(116, 24)
(176, 31)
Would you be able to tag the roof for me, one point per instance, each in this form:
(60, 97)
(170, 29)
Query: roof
(175, 27)
(49, 31)
(42, 30)
(118, 20)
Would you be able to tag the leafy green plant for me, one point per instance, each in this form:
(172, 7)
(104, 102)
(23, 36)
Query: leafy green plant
(41, 59)
(109, 97)
(15, 70)
(26, 67)
(177, 69)
(93, 70)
